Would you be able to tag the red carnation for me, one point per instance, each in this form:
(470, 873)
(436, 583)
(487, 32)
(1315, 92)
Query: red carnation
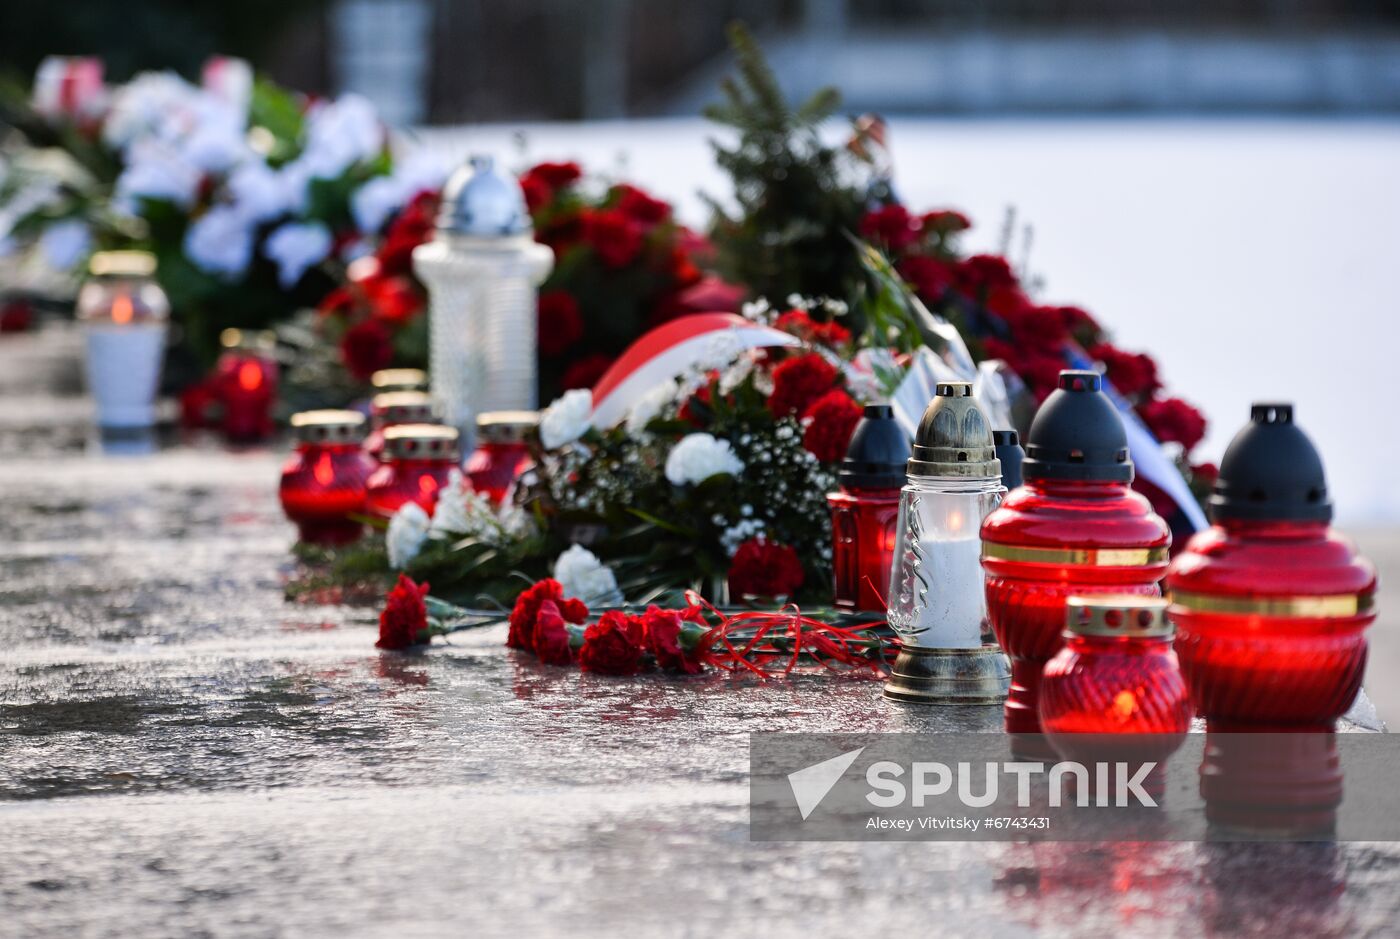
(613, 645)
(409, 229)
(614, 236)
(699, 402)
(526, 611)
(556, 175)
(1172, 420)
(393, 299)
(981, 272)
(537, 192)
(801, 325)
(1081, 325)
(946, 221)
(764, 568)
(1131, 373)
(366, 348)
(551, 638)
(16, 316)
(891, 226)
(662, 629)
(1007, 301)
(684, 271)
(585, 372)
(1205, 474)
(797, 382)
(640, 205)
(1038, 328)
(561, 323)
(929, 277)
(833, 418)
(405, 615)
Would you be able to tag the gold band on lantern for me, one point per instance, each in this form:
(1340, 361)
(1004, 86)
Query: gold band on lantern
(1077, 557)
(1328, 606)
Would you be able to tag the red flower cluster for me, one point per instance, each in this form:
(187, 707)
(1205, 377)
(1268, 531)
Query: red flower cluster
(764, 568)
(831, 419)
(1172, 420)
(381, 295)
(800, 324)
(1132, 374)
(893, 228)
(622, 266)
(544, 623)
(404, 619)
(799, 381)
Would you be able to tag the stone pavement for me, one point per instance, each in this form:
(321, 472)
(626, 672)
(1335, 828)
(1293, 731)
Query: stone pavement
(183, 753)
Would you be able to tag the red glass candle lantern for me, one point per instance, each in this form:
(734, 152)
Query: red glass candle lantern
(392, 409)
(246, 381)
(1074, 528)
(502, 452)
(1115, 692)
(324, 481)
(865, 511)
(1270, 604)
(399, 379)
(420, 457)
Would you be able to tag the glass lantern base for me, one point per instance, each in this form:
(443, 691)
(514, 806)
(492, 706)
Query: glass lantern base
(950, 676)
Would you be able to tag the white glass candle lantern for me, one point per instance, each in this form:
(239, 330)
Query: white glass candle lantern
(125, 316)
(937, 604)
(483, 269)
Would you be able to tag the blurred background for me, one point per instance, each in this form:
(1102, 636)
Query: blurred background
(1217, 182)
(454, 61)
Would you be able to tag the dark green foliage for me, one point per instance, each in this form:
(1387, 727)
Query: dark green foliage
(797, 196)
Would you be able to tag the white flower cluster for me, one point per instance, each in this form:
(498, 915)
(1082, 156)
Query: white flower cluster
(698, 457)
(408, 530)
(567, 419)
(462, 512)
(739, 532)
(582, 575)
(650, 406)
(830, 305)
(759, 311)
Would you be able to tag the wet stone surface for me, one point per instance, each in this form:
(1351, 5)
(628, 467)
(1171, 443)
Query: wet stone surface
(184, 753)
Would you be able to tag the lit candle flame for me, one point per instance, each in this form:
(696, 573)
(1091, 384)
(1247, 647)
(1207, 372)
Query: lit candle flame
(1124, 704)
(427, 485)
(250, 376)
(323, 471)
(122, 310)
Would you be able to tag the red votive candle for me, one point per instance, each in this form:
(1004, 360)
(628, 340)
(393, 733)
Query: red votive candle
(419, 459)
(1270, 604)
(1114, 693)
(246, 381)
(502, 452)
(865, 511)
(391, 409)
(324, 481)
(1074, 528)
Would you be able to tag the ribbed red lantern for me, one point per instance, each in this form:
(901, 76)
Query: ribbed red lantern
(420, 458)
(1270, 604)
(391, 409)
(1115, 691)
(324, 481)
(245, 378)
(1074, 528)
(502, 452)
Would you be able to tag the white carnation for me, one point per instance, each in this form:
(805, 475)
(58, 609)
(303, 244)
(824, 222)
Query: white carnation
(582, 575)
(339, 134)
(296, 247)
(698, 457)
(155, 171)
(221, 242)
(649, 406)
(260, 192)
(375, 201)
(567, 419)
(408, 529)
(463, 512)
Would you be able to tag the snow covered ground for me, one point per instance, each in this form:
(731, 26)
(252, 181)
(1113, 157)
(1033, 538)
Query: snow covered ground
(1256, 258)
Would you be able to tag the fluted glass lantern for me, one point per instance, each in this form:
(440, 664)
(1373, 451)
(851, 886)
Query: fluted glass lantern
(483, 269)
(936, 600)
(125, 316)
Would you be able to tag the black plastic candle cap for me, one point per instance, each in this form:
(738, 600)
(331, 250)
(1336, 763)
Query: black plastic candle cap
(1271, 471)
(1008, 445)
(1077, 434)
(877, 452)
